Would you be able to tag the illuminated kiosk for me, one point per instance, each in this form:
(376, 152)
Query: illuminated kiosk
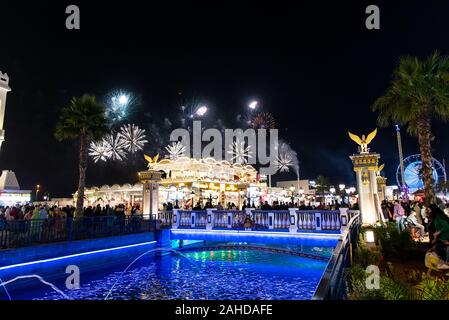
(10, 193)
(186, 181)
(366, 169)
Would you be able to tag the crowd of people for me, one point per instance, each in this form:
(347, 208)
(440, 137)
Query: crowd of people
(430, 222)
(423, 222)
(34, 212)
(275, 205)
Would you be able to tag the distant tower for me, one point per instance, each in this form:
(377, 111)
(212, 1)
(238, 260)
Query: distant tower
(401, 157)
(4, 89)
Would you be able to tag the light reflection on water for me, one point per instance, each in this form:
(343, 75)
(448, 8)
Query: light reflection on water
(219, 274)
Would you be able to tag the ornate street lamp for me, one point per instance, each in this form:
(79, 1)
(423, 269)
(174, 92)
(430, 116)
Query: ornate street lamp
(292, 190)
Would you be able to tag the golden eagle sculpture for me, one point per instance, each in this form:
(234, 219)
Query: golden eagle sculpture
(380, 168)
(363, 142)
(151, 161)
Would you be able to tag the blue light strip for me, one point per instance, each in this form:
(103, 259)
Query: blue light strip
(260, 234)
(75, 255)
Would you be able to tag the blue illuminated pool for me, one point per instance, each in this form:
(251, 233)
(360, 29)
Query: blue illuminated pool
(194, 274)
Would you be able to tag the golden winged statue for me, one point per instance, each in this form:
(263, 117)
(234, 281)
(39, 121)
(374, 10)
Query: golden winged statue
(151, 161)
(363, 142)
(380, 168)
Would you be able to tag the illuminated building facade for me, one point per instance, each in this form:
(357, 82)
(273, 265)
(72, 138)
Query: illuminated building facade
(10, 193)
(187, 181)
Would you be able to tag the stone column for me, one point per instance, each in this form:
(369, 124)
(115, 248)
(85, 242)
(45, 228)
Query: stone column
(150, 181)
(365, 166)
(4, 89)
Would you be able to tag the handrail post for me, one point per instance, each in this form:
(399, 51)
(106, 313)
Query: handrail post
(344, 219)
(318, 221)
(229, 220)
(210, 218)
(293, 219)
(192, 219)
(176, 217)
(270, 220)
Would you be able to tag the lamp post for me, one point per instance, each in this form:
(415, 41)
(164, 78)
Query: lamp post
(301, 193)
(332, 191)
(342, 187)
(292, 190)
(37, 192)
(401, 156)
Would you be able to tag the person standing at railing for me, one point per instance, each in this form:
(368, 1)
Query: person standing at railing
(266, 206)
(28, 214)
(8, 216)
(43, 213)
(60, 220)
(97, 212)
(35, 214)
(169, 207)
(198, 206)
(208, 205)
(219, 206)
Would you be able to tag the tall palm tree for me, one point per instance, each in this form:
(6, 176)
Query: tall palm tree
(418, 94)
(84, 120)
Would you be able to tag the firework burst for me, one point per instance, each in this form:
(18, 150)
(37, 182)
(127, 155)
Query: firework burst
(287, 158)
(240, 153)
(133, 137)
(99, 151)
(263, 120)
(116, 146)
(176, 150)
(119, 104)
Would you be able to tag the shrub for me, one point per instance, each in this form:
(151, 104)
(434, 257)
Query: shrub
(394, 243)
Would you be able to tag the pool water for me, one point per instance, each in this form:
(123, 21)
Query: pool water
(199, 274)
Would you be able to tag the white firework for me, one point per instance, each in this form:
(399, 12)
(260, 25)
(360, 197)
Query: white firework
(240, 153)
(176, 150)
(116, 146)
(99, 150)
(132, 137)
(284, 162)
(287, 158)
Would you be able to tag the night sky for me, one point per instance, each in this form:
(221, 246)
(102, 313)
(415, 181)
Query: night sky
(314, 66)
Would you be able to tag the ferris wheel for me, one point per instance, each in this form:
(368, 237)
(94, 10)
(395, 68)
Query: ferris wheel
(413, 175)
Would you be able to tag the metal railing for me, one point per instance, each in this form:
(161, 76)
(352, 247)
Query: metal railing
(260, 220)
(332, 285)
(281, 220)
(165, 218)
(20, 233)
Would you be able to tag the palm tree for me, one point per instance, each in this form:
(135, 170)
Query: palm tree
(84, 120)
(418, 94)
